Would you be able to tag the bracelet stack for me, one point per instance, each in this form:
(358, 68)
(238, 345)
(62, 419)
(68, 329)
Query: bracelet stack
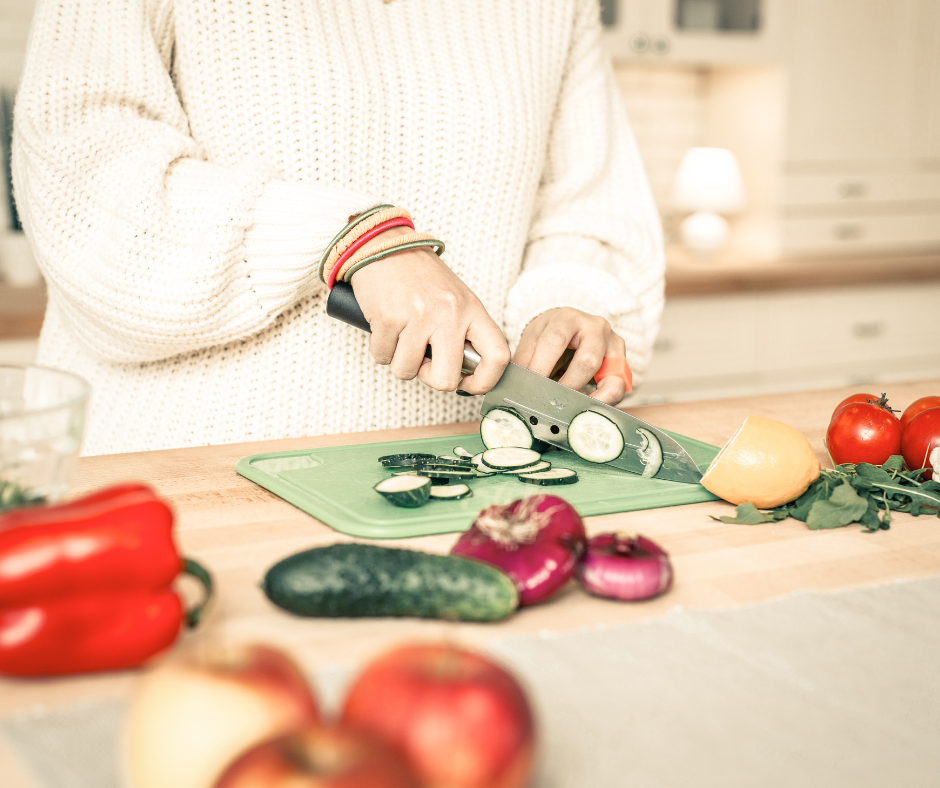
(345, 253)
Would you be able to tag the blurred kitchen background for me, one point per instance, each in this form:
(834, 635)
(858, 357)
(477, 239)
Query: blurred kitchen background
(793, 147)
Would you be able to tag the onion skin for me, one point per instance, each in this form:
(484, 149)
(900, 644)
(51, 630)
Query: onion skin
(537, 541)
(625, 566)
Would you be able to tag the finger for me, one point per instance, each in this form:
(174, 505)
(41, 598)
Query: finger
(443, 371)
(490, 343)
(409, 353)
(526, 348)
(610, 390)
(382, 344)
(551, 343)
(588, 355)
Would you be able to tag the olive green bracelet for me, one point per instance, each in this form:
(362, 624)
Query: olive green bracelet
(362, 216)
(394, 250)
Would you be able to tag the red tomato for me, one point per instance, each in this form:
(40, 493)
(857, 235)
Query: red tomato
(863, 432)
(873, 398)
(460, 719)
(919, 406)
(920, 443)
(855, 398)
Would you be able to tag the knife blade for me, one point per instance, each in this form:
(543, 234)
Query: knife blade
(549, 407)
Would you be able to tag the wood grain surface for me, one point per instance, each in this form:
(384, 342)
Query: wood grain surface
(238, 530)
(690, 275)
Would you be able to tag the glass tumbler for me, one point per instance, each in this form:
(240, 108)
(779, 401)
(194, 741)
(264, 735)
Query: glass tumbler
(42, 419)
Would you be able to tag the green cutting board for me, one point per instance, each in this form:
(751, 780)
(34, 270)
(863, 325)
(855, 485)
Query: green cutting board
(335, 486)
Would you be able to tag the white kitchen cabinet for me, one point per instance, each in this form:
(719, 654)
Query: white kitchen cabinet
(755, 343)
(861, 168)
(926, 132)
(690, 31)
(851, 92)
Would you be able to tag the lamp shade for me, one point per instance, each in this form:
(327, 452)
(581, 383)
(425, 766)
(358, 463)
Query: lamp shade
(709, 180)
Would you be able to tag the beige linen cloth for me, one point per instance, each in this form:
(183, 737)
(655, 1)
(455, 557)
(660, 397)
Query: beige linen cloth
(835, 691)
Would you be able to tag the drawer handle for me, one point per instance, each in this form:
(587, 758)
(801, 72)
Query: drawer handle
(660, 45)
(663, 345)
(848, 232)
(868, 330)
(640, 43)
(852, 190)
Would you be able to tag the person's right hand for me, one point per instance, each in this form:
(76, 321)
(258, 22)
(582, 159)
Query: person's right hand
(412, 300)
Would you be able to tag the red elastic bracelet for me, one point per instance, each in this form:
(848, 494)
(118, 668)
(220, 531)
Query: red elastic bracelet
(400, 221)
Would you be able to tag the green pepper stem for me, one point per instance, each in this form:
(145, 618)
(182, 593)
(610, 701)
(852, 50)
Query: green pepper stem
(195, 569)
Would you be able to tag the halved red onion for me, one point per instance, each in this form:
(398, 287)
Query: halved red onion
(625, 566)
(537, 541)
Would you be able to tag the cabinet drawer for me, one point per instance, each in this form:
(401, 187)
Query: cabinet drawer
(851, 189)
(837, 327)
(702, 337)
(858, 234)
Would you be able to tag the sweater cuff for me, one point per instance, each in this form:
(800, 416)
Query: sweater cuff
(555, 285)
(292, 225)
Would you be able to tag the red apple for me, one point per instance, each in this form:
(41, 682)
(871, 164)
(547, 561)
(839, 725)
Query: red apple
(320, 757)
(193, 715)
(461, 720)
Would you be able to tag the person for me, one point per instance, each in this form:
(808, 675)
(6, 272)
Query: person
(182, 165)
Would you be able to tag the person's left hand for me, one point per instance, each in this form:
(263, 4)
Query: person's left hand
(547, 336)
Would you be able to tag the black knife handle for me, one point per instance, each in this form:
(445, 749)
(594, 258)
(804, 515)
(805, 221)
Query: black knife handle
(342, 305)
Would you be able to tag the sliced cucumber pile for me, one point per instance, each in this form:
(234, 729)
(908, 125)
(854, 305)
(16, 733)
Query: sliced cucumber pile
(502, 428)
(594, 437)
(417, 477)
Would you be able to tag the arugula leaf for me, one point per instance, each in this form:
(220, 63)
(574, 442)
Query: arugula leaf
(748, 514)
(844, 506)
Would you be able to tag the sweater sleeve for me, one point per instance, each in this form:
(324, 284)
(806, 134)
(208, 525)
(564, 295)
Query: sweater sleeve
(149, 249)
(595, 241)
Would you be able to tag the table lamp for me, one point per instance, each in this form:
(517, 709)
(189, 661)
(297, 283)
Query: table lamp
(708, 184)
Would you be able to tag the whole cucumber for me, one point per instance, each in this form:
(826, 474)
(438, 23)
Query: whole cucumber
(354, 580)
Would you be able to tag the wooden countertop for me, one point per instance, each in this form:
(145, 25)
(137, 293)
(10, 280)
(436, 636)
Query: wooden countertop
(22, 310)
(688, 275)
(238, 530)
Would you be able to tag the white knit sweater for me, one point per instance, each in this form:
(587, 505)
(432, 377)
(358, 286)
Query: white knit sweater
(181, 164)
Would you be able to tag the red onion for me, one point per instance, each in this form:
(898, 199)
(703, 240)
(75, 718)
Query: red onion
(625, 566)
(537, 541)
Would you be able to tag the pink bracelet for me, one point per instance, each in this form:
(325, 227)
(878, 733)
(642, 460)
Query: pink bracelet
(363, 239)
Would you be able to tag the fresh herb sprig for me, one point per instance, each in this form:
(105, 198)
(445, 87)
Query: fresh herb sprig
(853, 494)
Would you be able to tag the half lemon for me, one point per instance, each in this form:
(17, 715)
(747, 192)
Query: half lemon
(766, 462)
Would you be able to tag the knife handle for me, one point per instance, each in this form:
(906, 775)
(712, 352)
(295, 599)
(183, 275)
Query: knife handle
(342, 305)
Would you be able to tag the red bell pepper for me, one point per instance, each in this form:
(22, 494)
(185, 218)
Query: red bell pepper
(86, 585)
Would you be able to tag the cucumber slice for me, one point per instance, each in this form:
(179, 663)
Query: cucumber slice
(554, 476)
(509, 458)
(544, 465)
(650, 452)
(453, 492)
(405, 459)
(501, 428)
(460, 451)
(407, 491)
(439, 466)
(446, 473)
(594, 437)
(425, 459)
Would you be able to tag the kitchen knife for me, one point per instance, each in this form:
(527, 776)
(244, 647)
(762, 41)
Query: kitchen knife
(549, 407)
